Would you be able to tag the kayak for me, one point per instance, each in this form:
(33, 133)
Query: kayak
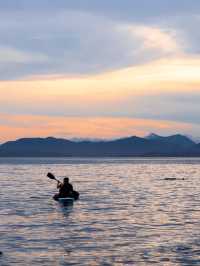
(66, 200)
(73, 197)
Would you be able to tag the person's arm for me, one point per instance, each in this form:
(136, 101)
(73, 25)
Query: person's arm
(59, 184)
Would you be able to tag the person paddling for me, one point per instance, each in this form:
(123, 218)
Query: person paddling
(65, 188)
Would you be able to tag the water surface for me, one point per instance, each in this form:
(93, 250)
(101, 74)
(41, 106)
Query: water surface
(128, 213)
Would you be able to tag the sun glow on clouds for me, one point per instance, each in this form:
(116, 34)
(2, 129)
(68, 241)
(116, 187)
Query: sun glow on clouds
(16, 126)
(79, 72)
(74, 107)
(115, 84)
(106, 105)
(154, 38)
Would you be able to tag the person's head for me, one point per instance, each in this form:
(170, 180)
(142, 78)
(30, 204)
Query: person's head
(66, 180)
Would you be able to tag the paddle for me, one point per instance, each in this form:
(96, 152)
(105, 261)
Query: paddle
(51, 176)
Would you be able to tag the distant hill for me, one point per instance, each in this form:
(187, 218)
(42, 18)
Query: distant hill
(153, 145)
(153, 136)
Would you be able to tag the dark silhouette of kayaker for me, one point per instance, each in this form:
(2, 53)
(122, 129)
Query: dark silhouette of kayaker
(65, 188)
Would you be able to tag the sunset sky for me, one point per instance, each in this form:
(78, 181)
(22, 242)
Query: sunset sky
(99, 69)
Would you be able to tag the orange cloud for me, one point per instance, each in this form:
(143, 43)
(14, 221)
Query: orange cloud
(75, 100)
(90, 95)
(17, 126)
(135, 80)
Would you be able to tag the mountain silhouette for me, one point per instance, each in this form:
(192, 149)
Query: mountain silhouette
(153, 145)
(153, 136)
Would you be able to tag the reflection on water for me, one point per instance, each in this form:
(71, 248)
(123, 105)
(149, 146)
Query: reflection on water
(128, 214)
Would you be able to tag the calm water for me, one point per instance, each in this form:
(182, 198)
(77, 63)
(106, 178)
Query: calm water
(127, 215)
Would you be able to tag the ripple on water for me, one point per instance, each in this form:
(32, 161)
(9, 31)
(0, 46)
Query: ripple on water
(127, 215)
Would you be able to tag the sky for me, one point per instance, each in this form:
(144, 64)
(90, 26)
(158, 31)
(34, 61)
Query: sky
(99, 69)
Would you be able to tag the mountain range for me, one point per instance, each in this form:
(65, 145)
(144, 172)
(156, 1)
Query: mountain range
(152, 145)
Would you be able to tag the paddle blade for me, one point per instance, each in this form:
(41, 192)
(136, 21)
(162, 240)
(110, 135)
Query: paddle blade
(51, 176)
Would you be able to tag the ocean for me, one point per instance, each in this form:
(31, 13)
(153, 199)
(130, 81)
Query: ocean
(128, 213)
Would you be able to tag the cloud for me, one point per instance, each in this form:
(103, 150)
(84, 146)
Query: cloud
(162, 90)
(16, 126)
(154, 42)
(10, 55)
(83, 37)
(70, 41)
(110, 59)
(186, 30)
(129, 10)
(156, 39)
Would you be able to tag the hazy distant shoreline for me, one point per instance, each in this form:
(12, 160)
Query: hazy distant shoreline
(151, 146)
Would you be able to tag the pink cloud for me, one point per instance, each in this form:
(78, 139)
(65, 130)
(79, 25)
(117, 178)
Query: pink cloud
(17, 126)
